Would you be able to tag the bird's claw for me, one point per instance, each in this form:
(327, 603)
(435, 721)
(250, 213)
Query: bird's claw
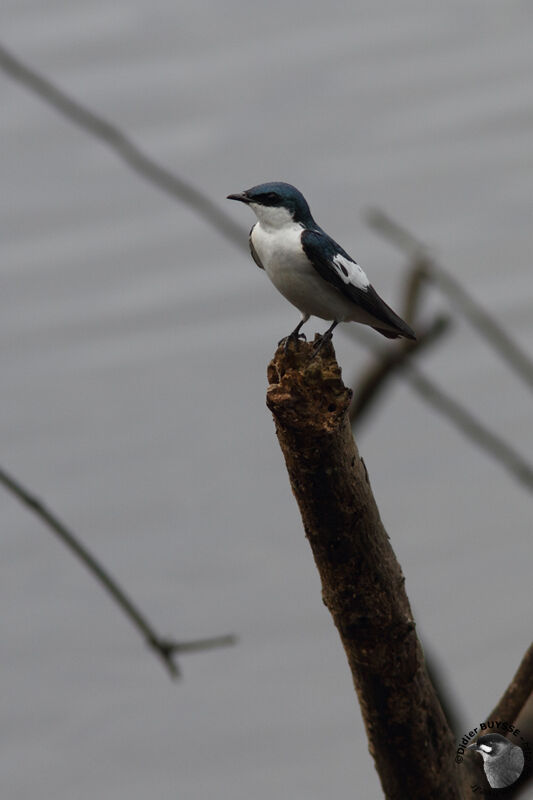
(292, 337)
(319, 344)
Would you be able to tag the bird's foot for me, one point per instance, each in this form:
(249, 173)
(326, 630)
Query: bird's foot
(319, 344)
(292, 337)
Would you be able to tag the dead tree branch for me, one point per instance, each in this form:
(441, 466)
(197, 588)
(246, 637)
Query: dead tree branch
(362, 582)
(166, 649)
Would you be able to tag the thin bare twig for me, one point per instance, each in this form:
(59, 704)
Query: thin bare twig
(484, 322)
(412, 292)
(123, 147)
(464, 420)
(195, 645)
(469, 425)
(166, 649)
(372, 383)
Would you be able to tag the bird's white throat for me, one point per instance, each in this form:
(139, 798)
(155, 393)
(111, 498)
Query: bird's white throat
(273, 218)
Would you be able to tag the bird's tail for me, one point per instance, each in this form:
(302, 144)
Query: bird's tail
(396, 327)
(406, 332)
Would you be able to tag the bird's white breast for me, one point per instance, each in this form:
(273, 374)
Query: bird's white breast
(281, 254)
(279, 249)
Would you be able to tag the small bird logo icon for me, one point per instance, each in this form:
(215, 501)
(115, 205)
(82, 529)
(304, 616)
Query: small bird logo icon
(503, 761)
(309, 268)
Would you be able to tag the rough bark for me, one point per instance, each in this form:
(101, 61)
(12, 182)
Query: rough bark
(362, 582)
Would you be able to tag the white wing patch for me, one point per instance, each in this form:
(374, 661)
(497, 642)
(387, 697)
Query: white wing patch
(350, 272)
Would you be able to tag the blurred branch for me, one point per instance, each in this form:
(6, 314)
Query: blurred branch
(485, 323)
(123, 147)
(362, 582)
(414, 282)
(149, 169)
(373, 382)
(462, 419)
(165, 648)
(195, 645)
(398, 361)
(517, 693)
(468, 424)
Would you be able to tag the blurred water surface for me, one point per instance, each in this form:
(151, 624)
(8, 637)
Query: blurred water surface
(134, 348)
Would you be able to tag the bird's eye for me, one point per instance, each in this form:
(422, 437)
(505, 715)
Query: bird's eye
(272, 197)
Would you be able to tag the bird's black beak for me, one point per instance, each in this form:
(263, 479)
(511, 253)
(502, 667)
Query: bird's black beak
(242, 197)
(472, 746)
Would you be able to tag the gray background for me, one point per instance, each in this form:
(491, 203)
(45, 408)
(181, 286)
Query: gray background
(134, 345)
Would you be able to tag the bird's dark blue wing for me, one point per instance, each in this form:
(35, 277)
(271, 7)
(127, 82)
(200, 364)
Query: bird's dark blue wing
(335, 266)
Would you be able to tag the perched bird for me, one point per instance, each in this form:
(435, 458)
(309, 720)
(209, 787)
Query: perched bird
(310, 269)
(503, 761)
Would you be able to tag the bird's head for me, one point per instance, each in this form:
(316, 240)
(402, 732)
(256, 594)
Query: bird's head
(490, 746)
(276, 204)
(503, 761)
